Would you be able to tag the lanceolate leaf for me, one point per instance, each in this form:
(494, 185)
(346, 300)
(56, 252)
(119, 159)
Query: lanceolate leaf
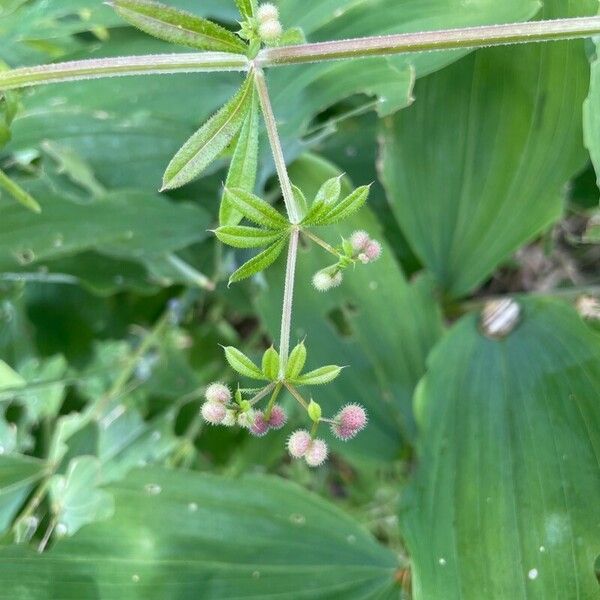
(296, 361)
(255, 209)
(242, 170)
(246, 7)
(260, 262)
(300, 200)
(210, 140)
(345, 208)
(270, 363)
(319, 376)
(504, 500)
(239, 362)
(189, 536)
(177, 26)
(239, 236)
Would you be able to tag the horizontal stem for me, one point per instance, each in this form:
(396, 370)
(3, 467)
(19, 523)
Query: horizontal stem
(148, 64)
(470, 37)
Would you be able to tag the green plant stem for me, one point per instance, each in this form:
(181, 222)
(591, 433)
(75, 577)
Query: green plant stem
(322, 243)
(296, 394)
(272, 400)
(291, 206)
(470, 37)
(149, 64)
(260, 395)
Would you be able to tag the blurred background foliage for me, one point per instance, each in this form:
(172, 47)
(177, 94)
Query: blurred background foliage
(113, 303)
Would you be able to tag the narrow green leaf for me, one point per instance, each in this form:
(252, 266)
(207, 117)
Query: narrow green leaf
(329, 192)
(177, 26)
(296, 361)
(319, 376)
(239, 362)
(260, 262)
(348, 206)
(240, 236)
(300, 199)
(255, 209)
(210, 140)
(270, 364)
(18, 193)
(246, 8)
(242, 170)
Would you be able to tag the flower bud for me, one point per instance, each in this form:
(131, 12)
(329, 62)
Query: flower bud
(246, 419)
(217, 392)
(359, 239)
(316, 453)
(349, 421)
(259, 427)
(269, 31)
(298, 443)
(213, 412)
(324, 280)
(314, 411)
(278, 417)
(267, 12)
(373, 250)
(229, 419)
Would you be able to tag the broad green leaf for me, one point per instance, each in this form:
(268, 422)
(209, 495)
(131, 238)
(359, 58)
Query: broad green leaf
(246, 8)
(75, 497)
(260, 262)
(240, 363)
(18, 475)
(301, 92)
(270, 364)
(307, 547)
(319, 376)
(296, 361)
(130, 225)
(177, 26)
(244, 164)
(472, 183)
(255, 209)
(329, 192)
(503, 502)
(239, 236)
(9, 378)
(343, 209)
(210, 140)
(18, 193)
(385, 356)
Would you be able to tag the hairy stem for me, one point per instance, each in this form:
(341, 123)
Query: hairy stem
(317, 240)
(291, 206)
(470, 37)
(149, 64)
(288, 299)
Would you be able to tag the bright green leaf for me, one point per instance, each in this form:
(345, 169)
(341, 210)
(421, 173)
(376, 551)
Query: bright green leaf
(319, 376)
(189, 535)
(177, 26)
(255, 209)
(300, 200)
(240, 363)
(503, 503)
(260, 262)
(18, 193)
(270, 364)
(296, 361)
(314, 411)
(343, 209)
(244, 164)
(239, 236)
(210, 140)
(246, 8)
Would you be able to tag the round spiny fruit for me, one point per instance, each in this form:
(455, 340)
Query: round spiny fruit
(359, 239)
(278, 418)
(270, 31)
(260, 427)
(217, 392)
(373, 250)
(267, 12)
(349, 421)
(298, 443)
(316, 454)
(213, 412)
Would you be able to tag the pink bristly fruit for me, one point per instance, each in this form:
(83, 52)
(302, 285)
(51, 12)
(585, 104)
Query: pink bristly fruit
(217, 392)
(349, 421)
(316, 453)
(213, 412)
(278, 418)
(298, 443)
